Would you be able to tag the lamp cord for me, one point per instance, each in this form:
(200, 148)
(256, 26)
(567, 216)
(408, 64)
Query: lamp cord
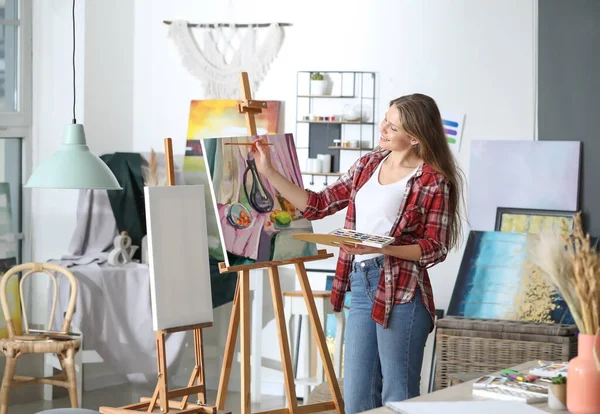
(74, 94)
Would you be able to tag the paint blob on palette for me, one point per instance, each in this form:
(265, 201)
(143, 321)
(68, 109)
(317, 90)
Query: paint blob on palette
(366, 239)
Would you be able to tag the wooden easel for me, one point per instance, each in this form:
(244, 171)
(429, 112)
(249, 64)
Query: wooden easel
(241, 305)
(162, 397)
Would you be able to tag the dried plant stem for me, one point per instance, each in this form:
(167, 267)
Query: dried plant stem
(572, 265)
(151, 178)
(550, 258)
(586, 267)
(153, 164)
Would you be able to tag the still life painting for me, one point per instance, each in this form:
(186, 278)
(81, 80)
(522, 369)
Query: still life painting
(256, 222)
(497, 281)
(218, 118)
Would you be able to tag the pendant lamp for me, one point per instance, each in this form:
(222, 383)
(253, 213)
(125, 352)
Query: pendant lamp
(73, 165)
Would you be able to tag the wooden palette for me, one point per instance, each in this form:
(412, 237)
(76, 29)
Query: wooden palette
(326, 239)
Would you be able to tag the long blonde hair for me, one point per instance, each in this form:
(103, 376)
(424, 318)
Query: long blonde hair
(420, 118)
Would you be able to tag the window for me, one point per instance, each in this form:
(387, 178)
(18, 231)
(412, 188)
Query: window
(10, 198)
(15, 63)
(15, 119)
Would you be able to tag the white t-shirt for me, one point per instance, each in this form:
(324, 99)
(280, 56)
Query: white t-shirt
(377, 206)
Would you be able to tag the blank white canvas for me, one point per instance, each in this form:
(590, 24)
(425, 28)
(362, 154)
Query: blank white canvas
(521, 174)
(178, 256)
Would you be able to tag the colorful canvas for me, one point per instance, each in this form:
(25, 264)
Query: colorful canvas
(496, 281)
(453, 127)
(218, 118)
(521, 174)
(12, 294)
(256, 222)
(533, 221)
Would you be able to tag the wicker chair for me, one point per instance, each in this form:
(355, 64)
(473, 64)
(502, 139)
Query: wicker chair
(15, 346)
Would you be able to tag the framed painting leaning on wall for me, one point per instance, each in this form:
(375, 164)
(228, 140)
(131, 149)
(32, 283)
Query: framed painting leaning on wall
(521, 220)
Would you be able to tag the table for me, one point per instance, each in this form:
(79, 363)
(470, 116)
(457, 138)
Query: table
(114, 314)
(463, 392)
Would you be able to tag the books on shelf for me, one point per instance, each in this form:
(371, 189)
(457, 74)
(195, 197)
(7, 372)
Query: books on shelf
(501, 388)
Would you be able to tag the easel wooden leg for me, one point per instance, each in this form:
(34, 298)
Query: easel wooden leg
(163, 386)
(197, 377)
(320, 337)
(200, 365)
(229, 347)
(245, 340)
(284, 346)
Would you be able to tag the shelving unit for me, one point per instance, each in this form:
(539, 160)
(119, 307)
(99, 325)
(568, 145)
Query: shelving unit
(320, 118)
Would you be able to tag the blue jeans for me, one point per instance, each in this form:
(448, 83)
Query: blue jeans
(381, 365)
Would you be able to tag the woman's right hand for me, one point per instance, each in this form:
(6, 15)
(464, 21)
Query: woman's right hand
(262, 157)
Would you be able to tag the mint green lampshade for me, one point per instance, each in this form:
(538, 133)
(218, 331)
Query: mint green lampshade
(73, 166)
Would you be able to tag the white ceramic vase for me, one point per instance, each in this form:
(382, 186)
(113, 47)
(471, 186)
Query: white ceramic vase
(318, 87)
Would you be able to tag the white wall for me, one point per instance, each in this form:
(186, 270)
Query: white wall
(53, 211)
(472, 56)
(108, 100)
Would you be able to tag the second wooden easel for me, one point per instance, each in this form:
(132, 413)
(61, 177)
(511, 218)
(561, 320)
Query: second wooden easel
(163, 397)
(241, 307)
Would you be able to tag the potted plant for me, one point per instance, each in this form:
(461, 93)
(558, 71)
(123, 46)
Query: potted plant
(318, 84)
(557, 393)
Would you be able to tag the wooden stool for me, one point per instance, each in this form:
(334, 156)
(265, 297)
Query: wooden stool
(296, 306)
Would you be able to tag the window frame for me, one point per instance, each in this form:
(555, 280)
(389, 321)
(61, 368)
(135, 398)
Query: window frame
(18, 124)
(22, 117)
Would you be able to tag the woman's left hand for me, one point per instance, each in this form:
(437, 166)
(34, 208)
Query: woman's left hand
(360, 249)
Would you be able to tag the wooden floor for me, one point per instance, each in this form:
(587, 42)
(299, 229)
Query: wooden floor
(131, 393)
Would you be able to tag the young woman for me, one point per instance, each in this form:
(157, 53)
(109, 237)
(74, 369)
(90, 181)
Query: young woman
(408, 188)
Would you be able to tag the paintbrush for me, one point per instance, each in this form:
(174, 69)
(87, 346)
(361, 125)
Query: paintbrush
(247, 143)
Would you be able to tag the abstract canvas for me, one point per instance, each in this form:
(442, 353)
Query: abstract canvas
(453, 127)
(521, 174)
(256, 222)
(496, 281)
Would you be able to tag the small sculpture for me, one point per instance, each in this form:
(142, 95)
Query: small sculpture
(123, 251)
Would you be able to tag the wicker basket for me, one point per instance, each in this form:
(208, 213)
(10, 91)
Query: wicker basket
(485, 346)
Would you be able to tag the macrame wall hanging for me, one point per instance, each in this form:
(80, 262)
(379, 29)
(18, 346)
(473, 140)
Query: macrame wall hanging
(225, 50)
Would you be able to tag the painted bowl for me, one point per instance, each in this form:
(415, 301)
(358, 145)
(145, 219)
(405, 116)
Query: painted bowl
(239, 216)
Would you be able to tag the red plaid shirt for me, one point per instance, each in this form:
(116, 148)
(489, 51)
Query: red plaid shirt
(422, 219)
